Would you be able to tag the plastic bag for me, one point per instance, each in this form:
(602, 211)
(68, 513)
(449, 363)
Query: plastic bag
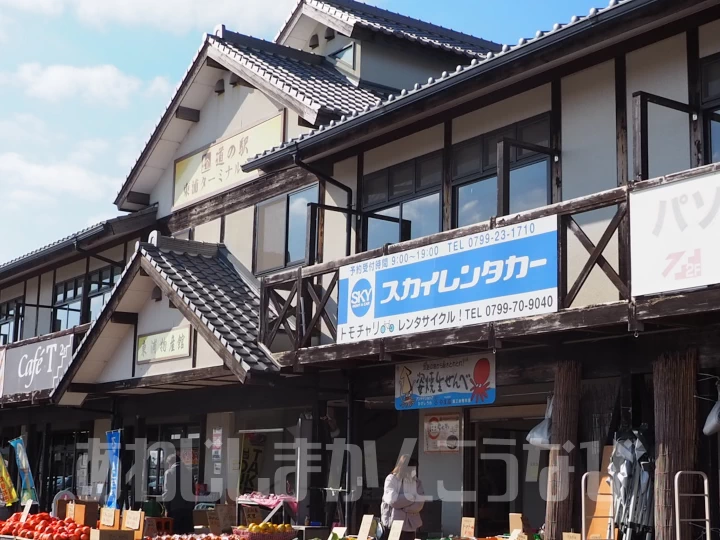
(712, 423)
(540, 434)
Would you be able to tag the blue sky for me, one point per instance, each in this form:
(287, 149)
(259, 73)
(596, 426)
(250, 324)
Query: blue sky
(83, 82)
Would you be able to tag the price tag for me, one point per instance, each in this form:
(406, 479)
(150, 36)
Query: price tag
(522, 536)
(252, 514)
(26, 511)
(365, 525)
(571, 536)
(339, 532)
(396, 529)
(70, 510)
(214, 523)
(467, 527)
(132, 519)
(107, 516)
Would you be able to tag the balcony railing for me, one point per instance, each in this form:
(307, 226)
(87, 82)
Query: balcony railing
(301, 303)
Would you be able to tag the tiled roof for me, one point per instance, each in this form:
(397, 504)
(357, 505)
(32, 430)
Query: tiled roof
(300, 75)
(432, 83)
(79, 236)
(210, 286)
(401, 26)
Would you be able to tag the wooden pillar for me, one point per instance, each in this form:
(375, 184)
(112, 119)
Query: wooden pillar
(566, 403)
(674, 381)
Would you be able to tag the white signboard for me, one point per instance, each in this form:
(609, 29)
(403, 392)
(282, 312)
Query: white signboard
(449, 382)
(217, 167)
(164, 345)
(442, 432)
(498, 274)
(37, 366)
(674, 232)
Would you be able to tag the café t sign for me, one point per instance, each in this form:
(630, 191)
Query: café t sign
(37, 366)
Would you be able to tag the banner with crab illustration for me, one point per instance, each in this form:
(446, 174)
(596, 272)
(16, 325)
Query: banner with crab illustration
(458, 381)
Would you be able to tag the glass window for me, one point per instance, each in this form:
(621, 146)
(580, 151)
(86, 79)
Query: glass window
(711, 80)
(714, 130)
(466, 159)
(346, 55)
(402, 180)
(271, 235)
(529, 187)
(490, 147)
(11, 316)
(535, 133)
(380, 231)
(476, 202)
(421, 217)
(281, 230)
(297, 223)
(429, 172)
(375, 189)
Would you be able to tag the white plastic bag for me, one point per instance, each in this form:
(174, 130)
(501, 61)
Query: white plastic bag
(540, 434)
(712, 423)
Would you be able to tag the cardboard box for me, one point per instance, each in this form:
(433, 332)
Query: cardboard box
(96, 534)
(83, 512)
(200, 518)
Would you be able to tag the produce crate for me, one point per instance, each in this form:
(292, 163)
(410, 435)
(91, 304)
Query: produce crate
(247, 535)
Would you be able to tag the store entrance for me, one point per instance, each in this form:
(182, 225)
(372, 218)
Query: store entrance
(68, 467)
(157, 456)
(500, 490)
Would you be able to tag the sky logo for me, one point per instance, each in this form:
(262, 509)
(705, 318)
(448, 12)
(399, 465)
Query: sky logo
(361, 298)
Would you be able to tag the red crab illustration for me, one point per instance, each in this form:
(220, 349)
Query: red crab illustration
(481, 374)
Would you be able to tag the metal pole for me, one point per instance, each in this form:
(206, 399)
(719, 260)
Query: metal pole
(349, 440)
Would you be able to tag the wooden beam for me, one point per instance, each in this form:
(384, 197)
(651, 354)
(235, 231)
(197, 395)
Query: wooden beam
(186, 113)
(556, 138)
(211, 62)
(154, 380)
(135, 197)
(124, 317)
(692, 38)
(447, 187)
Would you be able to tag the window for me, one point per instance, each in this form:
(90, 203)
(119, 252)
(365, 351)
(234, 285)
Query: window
(101, 284)
(403, 202)
(474, 169)
(11, 316)
(281, 230)
(69, 297)
(710, 72)
(346, 55)
(67, 304)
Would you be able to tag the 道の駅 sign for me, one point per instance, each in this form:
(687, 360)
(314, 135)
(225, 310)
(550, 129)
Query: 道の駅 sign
(673, 235)
(498, 274)
(448, 382)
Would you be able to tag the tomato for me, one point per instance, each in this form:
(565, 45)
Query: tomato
(75, 536)
(84, 536)
(86, 530)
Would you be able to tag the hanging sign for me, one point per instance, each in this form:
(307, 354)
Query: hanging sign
(27, 490)
(219, 166)
(502, 273)
(7, 486)
(113, 439)
(673, 235)
(467, 527)
(38, 366)
(167, 345)
(448, 382)
(442, 433)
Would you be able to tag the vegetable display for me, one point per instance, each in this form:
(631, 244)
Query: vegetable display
(44, 527)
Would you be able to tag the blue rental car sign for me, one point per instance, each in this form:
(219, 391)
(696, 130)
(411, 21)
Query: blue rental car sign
(498, 274)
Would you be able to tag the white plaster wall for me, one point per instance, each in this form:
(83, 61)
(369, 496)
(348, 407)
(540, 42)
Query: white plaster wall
(661, 69)
(293, 129)
(399, 68)
(208, 232)
(709, 37)
(501, 114)
(31, 313)
(222, 116)
(71, 270)
(441, 469)
(415, 145)
(46, 299)
(239, 235)
(589, 165)
(206, 357)
(114, 254)
(12, 292)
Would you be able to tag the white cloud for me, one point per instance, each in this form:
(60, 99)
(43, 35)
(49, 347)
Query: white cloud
(258, 17)
(5, 24)
(103, 84)
(56, 179)
(97, 218)
(88, 151)
(24, 128)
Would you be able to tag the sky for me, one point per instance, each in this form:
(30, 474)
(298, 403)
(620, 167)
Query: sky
(83, 83)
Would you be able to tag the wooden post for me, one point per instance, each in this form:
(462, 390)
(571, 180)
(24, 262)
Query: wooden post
(674, 376)
(566, 402)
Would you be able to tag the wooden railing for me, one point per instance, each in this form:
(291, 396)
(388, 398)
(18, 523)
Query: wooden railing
(302, 302)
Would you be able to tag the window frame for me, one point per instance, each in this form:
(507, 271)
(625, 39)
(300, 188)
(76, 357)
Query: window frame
(17, 319)
(79, 284)
(708, 105)
(369, 211)
(488, 171)
(62, 305)
(335, 55)
(256, 243)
